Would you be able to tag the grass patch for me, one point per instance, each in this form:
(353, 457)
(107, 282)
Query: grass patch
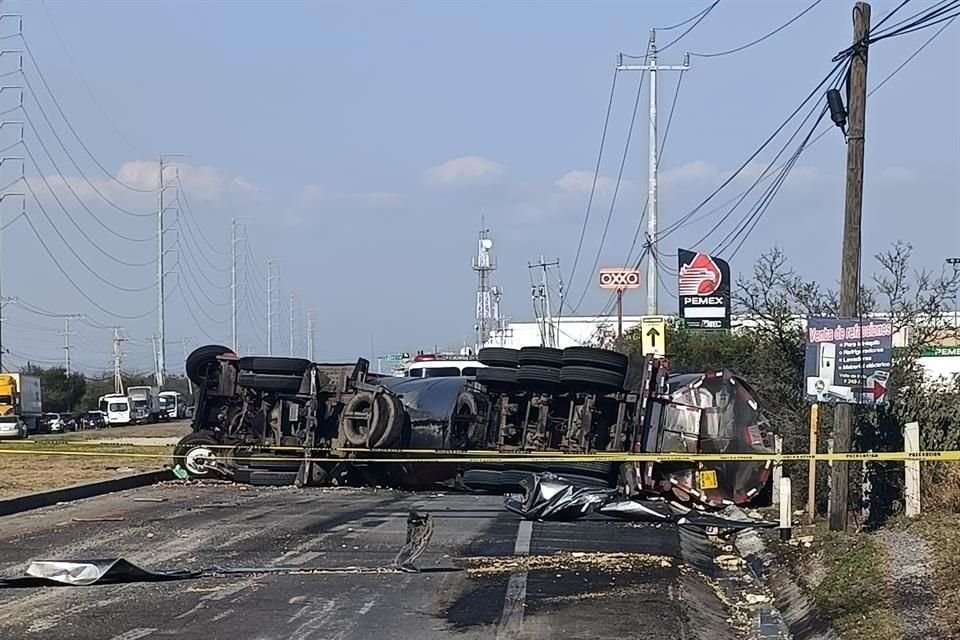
(30, 472)
(846, 576)
(942, 533)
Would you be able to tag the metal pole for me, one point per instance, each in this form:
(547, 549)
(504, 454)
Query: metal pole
(293, 303)
(183, 342)
(310, 353)
(160, 310)
(233, 284)
(850, 261)
(269, 306)
(652, 261)
(547, 311)
(619, 314)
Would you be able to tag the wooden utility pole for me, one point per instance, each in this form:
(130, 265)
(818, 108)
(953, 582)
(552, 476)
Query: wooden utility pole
(850, 265)
(812, 468)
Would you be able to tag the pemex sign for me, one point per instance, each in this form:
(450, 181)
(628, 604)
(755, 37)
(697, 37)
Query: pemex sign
(703, 290)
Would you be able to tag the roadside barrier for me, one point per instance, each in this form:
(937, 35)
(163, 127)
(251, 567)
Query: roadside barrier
(488, 457)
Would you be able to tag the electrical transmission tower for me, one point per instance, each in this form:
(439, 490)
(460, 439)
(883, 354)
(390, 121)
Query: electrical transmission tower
(293, 316)
(311, 331)
(66, 333)
(161, 254)
(270, 313)
(542, 307)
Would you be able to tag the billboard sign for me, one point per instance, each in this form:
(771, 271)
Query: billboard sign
(848, 360)
(620, 279)
(703, 290)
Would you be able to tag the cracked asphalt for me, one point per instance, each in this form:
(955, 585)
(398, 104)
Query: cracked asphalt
(586, 579)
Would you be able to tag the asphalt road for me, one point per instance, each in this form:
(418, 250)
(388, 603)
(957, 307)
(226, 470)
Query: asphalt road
(475, 581)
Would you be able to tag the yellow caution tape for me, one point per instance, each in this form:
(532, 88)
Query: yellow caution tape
(429, 456)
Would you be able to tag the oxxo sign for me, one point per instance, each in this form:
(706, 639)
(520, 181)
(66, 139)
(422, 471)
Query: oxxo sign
(611, 278)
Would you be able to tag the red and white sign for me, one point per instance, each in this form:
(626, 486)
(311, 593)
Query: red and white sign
(613, 278)
(701, 277)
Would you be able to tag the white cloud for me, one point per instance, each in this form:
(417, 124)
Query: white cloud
(464, 171)
(707, 174)
(579, 181)
(896, 175)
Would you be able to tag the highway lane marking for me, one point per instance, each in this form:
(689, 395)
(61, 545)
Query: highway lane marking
(134, 634)
(511, 620)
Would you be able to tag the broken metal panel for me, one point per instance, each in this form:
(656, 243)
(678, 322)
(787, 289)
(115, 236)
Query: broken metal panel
(81, 573)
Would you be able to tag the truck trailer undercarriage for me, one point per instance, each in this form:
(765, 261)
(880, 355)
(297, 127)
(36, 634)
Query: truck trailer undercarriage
(273, 420)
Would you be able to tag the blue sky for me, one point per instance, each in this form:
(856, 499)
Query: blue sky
(364, 140)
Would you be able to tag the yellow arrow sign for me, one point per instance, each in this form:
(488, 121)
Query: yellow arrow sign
(653, 333)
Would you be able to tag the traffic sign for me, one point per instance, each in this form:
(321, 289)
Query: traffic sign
(653, 334)
(619, 278)
(396, 357)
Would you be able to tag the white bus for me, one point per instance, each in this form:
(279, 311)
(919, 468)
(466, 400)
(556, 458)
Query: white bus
(116, 406)
(173, 405)
(431, 365)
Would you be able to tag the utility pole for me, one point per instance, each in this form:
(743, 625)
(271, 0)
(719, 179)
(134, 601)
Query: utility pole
(183, 344)
(293, 315)
(233, 285)
(269, 306)
(66, 333)
(653, 277)
(117, 357)
(310, 334)
(541, 294)
(850, 264)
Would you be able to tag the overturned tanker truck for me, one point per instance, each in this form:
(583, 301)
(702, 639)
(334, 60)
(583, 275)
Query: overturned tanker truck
(275, 420)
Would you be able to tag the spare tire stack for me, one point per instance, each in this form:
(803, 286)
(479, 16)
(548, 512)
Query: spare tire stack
(545, 369)
(591, 370)
(500, 372)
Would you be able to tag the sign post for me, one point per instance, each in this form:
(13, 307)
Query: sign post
(619, 279)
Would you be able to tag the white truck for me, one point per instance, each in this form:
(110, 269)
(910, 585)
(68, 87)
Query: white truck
(145, 405)
(21, 404)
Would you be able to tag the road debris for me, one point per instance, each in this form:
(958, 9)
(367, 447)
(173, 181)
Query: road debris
(88, 572)
(617, 562)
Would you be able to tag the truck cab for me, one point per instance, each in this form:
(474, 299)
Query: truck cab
(439, 365)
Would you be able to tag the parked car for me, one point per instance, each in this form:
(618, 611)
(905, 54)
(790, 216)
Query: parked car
(94, 420)
(53, 423)
(12, 427)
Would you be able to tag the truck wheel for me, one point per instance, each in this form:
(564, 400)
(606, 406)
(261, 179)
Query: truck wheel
(540, 356)
(538, 377)
(591, 378)
(597, 358)
(201, 358)
(498, 357)
(191, 449)
(360, 417)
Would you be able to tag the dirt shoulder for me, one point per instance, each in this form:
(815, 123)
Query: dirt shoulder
(176, 429)
(22, 470)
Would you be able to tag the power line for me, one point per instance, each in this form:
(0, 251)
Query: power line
(693, 26)
(687, 21)
(593, 185)
(616, 191)
(53, 97)
(74, 252)
(199, 229)
(66, 182)
(760, 39)
(78, 288)
(83, 80)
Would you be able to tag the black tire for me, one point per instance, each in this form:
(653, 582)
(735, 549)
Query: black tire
(269, 383)
(538, 377)
(189, 443)
(596, 358)
(356, 430)
(200, 360)
(591, 379)
(498, 357)
(497, 376)
(272, 365)
(540, 356)
(260, 478)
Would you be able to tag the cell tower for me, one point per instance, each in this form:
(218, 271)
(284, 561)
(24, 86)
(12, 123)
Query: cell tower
(487, 310)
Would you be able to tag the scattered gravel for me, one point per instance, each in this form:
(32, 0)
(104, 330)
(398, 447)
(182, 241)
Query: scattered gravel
(911, 572)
